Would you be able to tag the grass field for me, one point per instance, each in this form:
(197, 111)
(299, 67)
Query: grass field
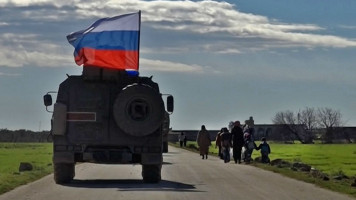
(11, 154)
(329, 158)
(333, 159)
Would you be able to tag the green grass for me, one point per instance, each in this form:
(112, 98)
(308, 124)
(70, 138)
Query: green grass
(332, 159)
(341, 186)
(329, 158)
(11, 154)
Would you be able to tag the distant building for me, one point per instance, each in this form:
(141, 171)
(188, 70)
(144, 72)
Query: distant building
(346, 133)
(275, 132)
(270, 131)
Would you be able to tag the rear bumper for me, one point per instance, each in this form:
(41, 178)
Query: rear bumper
(106, 156)
(140, 155)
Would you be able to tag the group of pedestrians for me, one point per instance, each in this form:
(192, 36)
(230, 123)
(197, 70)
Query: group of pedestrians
(226, 140)
(182, 138)
(242, 141)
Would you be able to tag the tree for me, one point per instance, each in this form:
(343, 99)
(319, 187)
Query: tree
(289, 122)
(308, 117)
(328, 119)
(303, 124)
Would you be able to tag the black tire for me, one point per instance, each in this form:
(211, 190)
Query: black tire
(63, 172)
(138, 110)
(165, 147)
(151, 173)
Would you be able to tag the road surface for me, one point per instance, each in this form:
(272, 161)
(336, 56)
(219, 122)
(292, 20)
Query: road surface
(185, 176)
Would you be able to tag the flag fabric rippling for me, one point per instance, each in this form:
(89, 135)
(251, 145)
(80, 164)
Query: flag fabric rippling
(109, 43)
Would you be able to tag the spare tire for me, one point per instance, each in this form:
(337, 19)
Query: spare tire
(138, 110)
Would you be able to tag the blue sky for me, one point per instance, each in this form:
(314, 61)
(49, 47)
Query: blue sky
(222, 60)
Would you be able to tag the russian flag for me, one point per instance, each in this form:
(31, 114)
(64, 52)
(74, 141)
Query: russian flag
(109, 43)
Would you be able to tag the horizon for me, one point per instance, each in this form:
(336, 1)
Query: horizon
(221, 60)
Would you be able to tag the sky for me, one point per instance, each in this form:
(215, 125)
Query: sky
(221, 60)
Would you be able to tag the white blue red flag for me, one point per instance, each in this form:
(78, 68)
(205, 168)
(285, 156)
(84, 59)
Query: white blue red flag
(109, 43)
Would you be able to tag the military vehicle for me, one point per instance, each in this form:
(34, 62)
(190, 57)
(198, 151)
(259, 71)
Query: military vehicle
(108, 116)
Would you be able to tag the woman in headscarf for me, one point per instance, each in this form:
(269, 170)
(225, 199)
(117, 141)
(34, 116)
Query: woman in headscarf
(203, 140)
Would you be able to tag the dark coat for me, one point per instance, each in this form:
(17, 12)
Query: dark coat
(226, 139)
(237, 136)
(265, 149)
(203, 140)
(218, 140)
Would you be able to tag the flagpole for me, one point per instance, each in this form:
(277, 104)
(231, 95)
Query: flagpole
(139, 36)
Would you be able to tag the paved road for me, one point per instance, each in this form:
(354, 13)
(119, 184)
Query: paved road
(185, 176)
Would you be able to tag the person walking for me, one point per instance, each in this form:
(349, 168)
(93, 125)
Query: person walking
(265, 150)
(249, 146)
(226, 144)
(181, 139)
(185, 141)
(203, 141)
(237, 141)
(218, 143)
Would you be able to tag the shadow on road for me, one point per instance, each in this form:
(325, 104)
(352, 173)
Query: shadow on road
(134, 185)
(172, 152)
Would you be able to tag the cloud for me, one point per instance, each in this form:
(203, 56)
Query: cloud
(3, 24)
(204, 17)
(9, 74)
(33, 28)
(167, 66)
(348, 27)
(294, 74)
(22, 3)
(165, 50)
(27, 49)
(201, 17)
(229, 51)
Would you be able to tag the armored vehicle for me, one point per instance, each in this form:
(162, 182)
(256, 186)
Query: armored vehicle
(108, 116)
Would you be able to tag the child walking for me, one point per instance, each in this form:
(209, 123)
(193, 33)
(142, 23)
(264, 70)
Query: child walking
(265, 150)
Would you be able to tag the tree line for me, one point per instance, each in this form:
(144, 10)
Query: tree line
(309, 123)
(23, 135)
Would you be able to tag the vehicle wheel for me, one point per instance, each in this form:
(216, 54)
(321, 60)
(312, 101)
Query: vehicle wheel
(151, 173)
(138, 110)
(63, 172)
